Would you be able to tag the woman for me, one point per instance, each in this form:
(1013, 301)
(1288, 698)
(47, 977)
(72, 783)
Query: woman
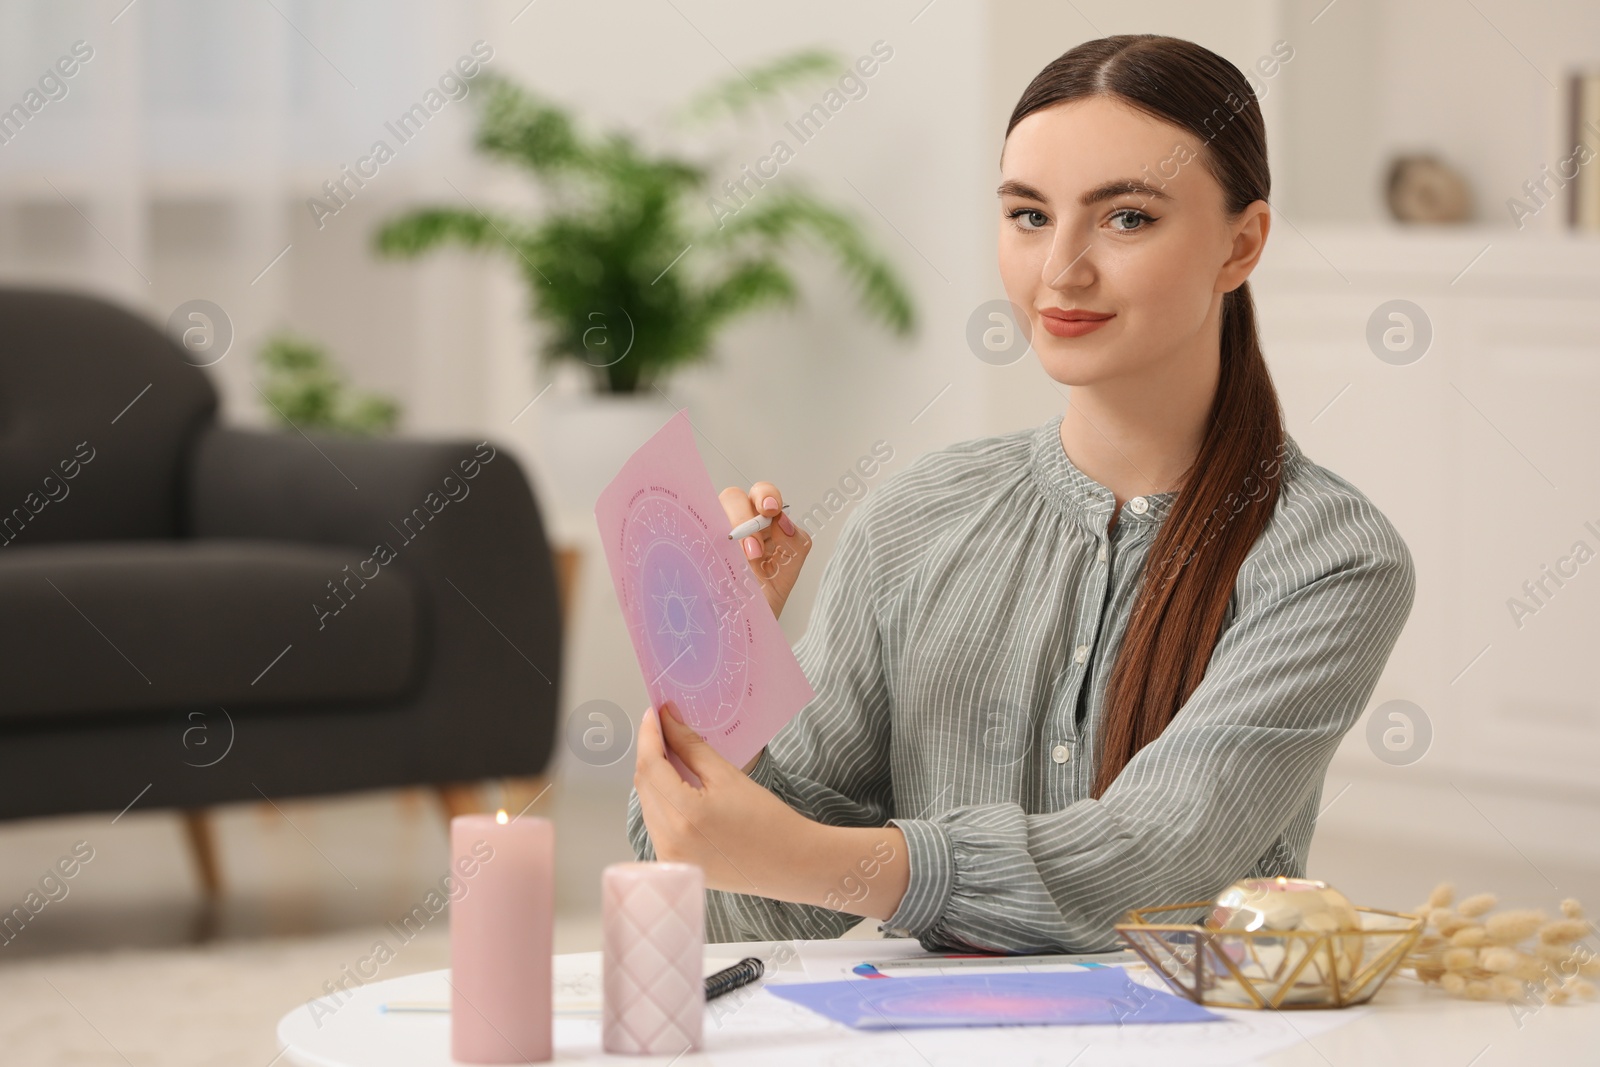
(1084, 667)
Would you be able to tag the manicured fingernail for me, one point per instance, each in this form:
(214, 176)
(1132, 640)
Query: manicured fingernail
(769, 503)
(752, 547)
(786, 524)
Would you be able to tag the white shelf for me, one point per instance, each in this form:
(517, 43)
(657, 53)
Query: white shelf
(1478, 259)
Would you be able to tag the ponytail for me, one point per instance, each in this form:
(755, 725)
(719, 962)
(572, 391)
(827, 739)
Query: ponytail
(1226, 499)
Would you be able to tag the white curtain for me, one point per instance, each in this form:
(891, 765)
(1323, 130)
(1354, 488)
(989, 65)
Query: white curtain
(176, 160)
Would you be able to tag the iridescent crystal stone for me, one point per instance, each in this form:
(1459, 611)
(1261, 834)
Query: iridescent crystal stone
(1316, 920)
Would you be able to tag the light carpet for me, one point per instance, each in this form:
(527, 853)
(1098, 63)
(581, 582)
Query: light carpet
(210, 1006)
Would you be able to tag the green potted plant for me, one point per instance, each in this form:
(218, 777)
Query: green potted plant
(303, 389)
(630, 272)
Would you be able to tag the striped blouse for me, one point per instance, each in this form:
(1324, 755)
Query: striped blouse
(959, 649)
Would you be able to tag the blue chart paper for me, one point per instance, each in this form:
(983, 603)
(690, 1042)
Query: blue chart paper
(1101, 996)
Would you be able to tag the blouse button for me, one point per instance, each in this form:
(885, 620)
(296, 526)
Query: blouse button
(1080, 653)
(1139, 505)
(1100, 554)
(1061, 753)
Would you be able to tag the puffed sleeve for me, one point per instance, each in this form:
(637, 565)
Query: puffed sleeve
(1198, 807)
(831, 761)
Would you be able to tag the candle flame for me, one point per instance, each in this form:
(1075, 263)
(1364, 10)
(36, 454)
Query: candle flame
(500, 816)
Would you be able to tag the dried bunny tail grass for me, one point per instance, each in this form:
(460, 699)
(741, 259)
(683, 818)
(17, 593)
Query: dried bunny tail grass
(1578, 988)
(1531, 970)
(1507, 988)
(1554, 953)
(1500, 960)
(1426, 944)
(1478, 956)
(1564, 931)
(1569, 959)
(1509, 961)
(1513, 926)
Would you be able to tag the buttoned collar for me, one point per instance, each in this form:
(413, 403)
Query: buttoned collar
(1081, 497)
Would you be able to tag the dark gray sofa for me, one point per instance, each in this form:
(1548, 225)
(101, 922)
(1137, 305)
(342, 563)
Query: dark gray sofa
(195, 614)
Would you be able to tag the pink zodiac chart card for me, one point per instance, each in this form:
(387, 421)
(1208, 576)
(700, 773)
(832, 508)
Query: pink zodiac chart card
(705, 637)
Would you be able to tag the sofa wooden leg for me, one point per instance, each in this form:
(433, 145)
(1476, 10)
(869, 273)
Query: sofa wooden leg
(529, 796)
(201, 835)
(516, 795)
(459, 798)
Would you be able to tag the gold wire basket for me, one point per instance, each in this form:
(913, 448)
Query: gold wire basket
(1277, 969)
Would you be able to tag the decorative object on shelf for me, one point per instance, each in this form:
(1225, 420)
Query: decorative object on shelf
(653, 990)
(1273, 943)
(1581, 153)
(502, 924)
(305, 390)
(1519, 955)
(1423, 188)
(602, 264)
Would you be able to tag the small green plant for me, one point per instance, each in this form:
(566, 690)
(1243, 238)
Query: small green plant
(602, 264)
(306, 391)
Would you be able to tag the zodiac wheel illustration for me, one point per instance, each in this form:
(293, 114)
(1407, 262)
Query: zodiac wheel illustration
(696, 633)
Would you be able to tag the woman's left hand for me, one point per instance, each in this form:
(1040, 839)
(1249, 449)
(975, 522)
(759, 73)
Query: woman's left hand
(743, 836)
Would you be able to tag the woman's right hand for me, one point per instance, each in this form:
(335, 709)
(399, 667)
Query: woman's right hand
(775, 554)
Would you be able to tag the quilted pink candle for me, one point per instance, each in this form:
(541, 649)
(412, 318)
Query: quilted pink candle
(653, 996)
(502, 910)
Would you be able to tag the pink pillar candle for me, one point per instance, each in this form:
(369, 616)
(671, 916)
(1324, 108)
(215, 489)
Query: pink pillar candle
(501, 925)
(654, 994)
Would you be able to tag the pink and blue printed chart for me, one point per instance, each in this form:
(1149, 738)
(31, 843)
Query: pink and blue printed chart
(1101, 996)
(702, 630)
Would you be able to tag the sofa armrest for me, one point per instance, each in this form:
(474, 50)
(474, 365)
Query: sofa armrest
(332, 489)
(459, 517)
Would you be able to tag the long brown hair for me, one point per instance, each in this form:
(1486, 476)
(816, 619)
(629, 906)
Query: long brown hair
(1227, 496)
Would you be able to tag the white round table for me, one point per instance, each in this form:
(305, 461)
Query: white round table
(1405, 1024)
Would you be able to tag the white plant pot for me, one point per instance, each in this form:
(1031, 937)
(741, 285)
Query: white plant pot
(585, 437)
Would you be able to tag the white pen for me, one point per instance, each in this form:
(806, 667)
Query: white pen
(755, 525)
